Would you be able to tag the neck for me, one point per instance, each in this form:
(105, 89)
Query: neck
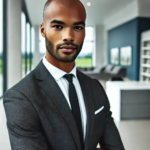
(65, 66)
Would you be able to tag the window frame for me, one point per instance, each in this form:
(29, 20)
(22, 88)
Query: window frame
(93, 42)
(28, 57)
(4, 49)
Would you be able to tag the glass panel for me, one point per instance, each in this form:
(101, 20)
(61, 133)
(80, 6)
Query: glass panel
(1, 48)
(84, 59)
(28, 47)
(23, 49)
(32, 46)
(42, 47)
(89, 33)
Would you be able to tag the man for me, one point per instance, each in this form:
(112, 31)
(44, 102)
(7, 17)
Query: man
(56, 107)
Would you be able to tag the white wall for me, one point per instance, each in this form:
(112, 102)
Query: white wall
(128, 13)
(14, 73)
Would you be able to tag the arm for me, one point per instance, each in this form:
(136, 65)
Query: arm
(23, 123)
(110, 138)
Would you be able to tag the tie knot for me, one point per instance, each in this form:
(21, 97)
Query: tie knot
(68, 77)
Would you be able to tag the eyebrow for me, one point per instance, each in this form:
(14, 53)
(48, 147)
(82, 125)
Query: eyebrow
(57, 21)
(61, 22)
(79, 23)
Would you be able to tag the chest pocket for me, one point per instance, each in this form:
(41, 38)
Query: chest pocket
(100, 112)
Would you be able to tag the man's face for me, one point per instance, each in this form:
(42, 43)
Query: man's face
(64, 31)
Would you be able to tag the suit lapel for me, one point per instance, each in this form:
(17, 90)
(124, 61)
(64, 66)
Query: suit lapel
(52, 89)
(89, 108)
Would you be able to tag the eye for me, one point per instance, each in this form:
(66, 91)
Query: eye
(57, 27)
(78, 28)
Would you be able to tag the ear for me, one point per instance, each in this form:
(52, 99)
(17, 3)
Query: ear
(42, 29)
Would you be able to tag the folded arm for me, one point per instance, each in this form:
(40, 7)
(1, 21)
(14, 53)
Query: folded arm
(110, 139)
(23, 123)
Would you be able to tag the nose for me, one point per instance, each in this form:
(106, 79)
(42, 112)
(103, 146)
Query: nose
(68, 35)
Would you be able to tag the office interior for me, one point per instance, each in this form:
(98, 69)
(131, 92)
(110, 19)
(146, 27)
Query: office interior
(116, 51)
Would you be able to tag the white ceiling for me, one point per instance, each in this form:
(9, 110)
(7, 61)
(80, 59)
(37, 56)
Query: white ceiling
(97, 13)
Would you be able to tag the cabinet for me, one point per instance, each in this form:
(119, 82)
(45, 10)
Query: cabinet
(145, 57)
(129, 99)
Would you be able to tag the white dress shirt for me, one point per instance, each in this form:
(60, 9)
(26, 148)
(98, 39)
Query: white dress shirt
(64, 86)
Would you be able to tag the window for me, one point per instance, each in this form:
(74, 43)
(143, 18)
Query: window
(27, 42)
(1, 48)
(28, 47)
(32, 48)
(23, 49)
(42, 47)
(86, 58)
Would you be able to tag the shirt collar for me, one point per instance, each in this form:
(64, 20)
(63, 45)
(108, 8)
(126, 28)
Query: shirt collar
(56, 72)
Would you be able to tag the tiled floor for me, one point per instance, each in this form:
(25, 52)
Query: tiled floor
(4, 141)
(135, 134)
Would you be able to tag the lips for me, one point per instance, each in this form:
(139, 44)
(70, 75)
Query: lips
(67, 49)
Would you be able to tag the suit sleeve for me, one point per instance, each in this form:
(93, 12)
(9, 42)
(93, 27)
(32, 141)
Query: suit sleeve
(23, 123)
(110, 138)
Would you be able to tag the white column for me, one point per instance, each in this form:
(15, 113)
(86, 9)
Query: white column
(14, 42)
(105, 47)
(99, 45)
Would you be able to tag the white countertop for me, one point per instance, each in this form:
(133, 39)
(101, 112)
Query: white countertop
(129, 85)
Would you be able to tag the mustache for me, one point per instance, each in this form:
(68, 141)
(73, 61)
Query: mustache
(67, 43)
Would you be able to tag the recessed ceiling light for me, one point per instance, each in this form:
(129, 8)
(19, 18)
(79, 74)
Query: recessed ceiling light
(88, 4)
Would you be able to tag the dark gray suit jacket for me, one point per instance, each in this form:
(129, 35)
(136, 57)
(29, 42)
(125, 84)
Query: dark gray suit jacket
(39, 118)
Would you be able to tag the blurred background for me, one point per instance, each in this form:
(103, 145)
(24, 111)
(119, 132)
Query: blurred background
(116, 51)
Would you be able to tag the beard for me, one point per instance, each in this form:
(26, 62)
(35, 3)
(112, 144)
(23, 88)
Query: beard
(67, 57)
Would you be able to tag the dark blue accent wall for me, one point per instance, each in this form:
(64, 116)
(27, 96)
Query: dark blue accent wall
(129, 34)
